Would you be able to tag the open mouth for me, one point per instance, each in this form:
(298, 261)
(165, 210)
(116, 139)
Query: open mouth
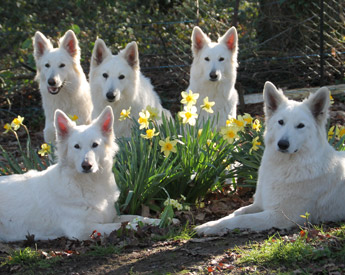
(55, 90)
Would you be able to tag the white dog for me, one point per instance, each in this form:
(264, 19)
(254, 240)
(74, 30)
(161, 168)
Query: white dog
(300, 172)
(71, 198)
(62, 82)
(213, 73)
(116, 80)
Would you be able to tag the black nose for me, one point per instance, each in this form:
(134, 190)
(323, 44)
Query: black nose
(213, 76)
(86, 166)
(110, 95)
(283, 144)
(51, 82)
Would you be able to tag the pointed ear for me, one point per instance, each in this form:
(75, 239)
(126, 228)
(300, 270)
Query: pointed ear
(99, 53)
(105, 120)
(272, 98)
(230, 39)
(41, 44)
(131, 54)
(70, 43)
(63, 124)
(318, 104)
(199, 40)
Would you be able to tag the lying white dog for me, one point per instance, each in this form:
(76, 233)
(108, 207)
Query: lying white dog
(300, 172)
(71, 198)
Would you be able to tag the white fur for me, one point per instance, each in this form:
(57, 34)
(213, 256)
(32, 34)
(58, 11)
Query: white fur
(71, 198)
(300, 172)
(133, 90)
(219, 58)
(71, 92)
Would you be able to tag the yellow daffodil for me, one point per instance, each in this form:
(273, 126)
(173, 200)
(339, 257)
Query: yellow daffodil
(125, 114)
(190, 98)
(239, 122)
(143, 120)
(229, 133)
(331, 99)
(330, 132)
(17, 122)
(154, 113)
(45, 149)
(168, 146)
(229, 121)
(73, 117)
(199, 133)
(189, 115)
(150, 133)
(207, 106)
(256, 125)
(340, 132)
(247, 118)
(255, 144)
(8, 127)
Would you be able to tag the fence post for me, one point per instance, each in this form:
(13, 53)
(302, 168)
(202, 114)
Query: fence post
(321, 44)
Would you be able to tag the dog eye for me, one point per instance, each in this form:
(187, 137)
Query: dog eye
(281, 122)
(77, 146)
(121, 76)
(62, 65)
(207, 59)
(47, 65)
(300, 126)
(105, 75)
(94, 145)
(221, 59)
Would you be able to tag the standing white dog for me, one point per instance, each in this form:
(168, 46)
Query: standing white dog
(116, 80)
(62, 82)
(213, 72)
(300, 172)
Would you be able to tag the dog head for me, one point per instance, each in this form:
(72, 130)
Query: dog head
(55, 64)
(86, 148)
(216, 60)
(111, 74)
(293, 126)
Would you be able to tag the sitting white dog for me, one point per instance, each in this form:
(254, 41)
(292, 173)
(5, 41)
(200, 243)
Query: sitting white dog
(71, 198)
(300, 171)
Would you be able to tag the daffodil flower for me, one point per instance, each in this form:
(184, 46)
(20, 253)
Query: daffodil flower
(154, 113)
(125, 114)
(207, 106)
(17, 122)
(73, 117)
(190, 98)
(229, 133)
(189, 115)
(168, 146)
(340, 132)
(255, 144)
(45, 149)
(7, 127)
(247, 118)
(330, 133)
(256, 125)
(143, 120)
(150, 133)
(331, 99)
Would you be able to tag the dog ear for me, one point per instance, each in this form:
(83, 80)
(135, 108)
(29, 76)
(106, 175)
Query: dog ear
(62, 124)
(272, 98)
(70, 43)
(199, 39)
(230, 39)
(318, 104)
(41, 44)
(131, 54)
(106, 120)
(99, 53)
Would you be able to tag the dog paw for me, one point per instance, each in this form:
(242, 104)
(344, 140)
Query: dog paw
(210, 228)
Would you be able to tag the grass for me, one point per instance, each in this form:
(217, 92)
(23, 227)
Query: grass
(312, 247)
(102, 251)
